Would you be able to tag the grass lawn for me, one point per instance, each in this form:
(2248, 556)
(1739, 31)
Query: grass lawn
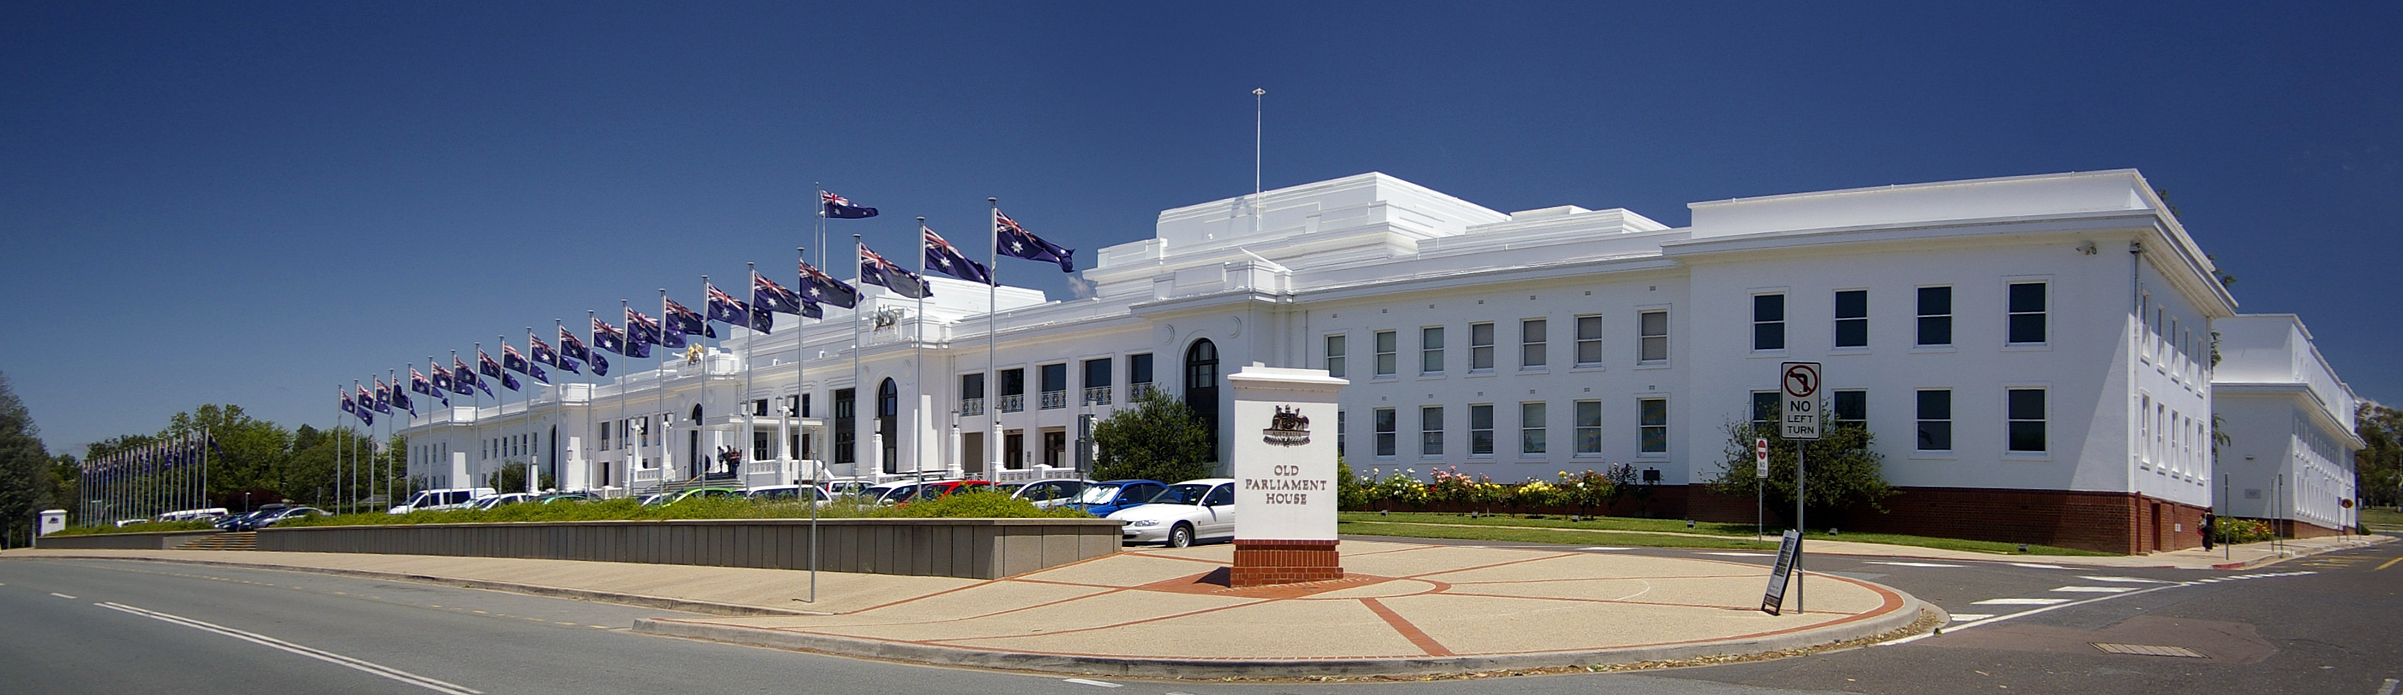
(1640, 532)
(2382, 518)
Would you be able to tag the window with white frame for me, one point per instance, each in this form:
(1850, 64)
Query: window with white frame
(1430, 350)
(1852, 318)
(1652, 424)
(1385, 431)
(1769, 321)
(1935, 316)
(1531, 428)
(1766, 409)
(1935, 419)
(2144, 429)
(2027, 305)
(1589, 427)
(1852, 406)
(1387, 344)
(1481, 429)
(1481, 347)
(1531, 344)
(1589, 341)
(1343, 439)
(1430, 430)
(1652, 343)
(1334, 358)
(2025, 412)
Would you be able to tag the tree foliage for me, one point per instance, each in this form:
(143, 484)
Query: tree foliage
(512, 478)
(1841, 468)
(26, 481)
(1158, 439)
(2378, 467)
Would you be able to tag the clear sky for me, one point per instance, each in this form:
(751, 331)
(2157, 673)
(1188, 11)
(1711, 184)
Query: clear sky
(250, 203)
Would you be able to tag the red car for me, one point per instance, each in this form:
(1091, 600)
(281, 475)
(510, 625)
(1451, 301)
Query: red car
(945, 488)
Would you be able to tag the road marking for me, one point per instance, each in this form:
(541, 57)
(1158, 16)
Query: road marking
(2389, 563)
(1602, 548)
(1744, 554)
(2081, 602)
(2389, 687)
(2094, 589)
(2031, 565)
(1095, 683)
(311, 652)
(2021, 601)
(2125, 580)
(1970, 617)
(60, 595)
(1911, 564)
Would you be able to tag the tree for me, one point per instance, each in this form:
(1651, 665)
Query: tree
(25, 478)
(1842, 470)
(1158, 439)
(2378, 467)
(250, 453)
(512, 478)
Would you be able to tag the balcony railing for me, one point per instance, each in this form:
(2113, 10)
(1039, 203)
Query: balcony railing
(1139, 390)
(1013, 403)
(970, 407)
(1097, 395)
(1055, 399)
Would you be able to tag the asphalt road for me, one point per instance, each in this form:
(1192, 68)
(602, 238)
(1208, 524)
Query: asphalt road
(2317, 625)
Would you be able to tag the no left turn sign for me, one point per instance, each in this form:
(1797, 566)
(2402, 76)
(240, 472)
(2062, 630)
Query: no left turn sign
(1800, 382)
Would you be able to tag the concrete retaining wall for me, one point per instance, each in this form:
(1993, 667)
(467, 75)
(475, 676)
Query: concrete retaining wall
(161, 540)
(968, 548)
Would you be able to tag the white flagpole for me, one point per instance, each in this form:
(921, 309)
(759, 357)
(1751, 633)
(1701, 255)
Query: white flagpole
(750, 423)
(917, 419)
(1257, 118)
(859, 390)
(709, 403)
(800, 440)
(993, 370)
(666, 457)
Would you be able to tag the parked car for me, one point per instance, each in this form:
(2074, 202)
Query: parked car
(786, 493)
(504, 498)
(567, 498)
(1102, 498)
(890, 493)
(450, 498)
(266, 518)
(850, 486)
(702, 493)
(1050, 493)
(1185, 513)
(943, 488)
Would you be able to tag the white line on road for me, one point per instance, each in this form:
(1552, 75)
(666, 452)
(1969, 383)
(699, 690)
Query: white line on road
(2124, 580)
(2020, 601)
(1601, 548)
(2094, 589)
(1912, 564)
(2389, 687)
(1088, 681)
(311, 652)
(2034, 566)
(60, 595)
(1744, 554)
(1970, 617)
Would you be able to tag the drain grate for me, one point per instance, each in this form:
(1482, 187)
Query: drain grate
(2149, 650)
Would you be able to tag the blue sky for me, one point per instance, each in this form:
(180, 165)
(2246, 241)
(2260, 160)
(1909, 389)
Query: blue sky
(250, 203)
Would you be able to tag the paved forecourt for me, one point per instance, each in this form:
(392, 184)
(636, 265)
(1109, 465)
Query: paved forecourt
(1402, 608)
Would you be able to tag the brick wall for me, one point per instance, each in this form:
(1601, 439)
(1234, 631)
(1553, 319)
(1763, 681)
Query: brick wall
(1262, 563)
(2108, 522)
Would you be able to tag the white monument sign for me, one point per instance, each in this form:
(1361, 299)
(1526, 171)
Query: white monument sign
(1283, 451)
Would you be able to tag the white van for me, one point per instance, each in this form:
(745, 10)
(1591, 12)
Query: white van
(192, 514)
(452, 498)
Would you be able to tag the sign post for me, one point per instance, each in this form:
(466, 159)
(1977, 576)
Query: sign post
(1760, 473)
(1799, 421)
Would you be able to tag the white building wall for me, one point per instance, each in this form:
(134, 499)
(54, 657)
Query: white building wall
(2289, 421)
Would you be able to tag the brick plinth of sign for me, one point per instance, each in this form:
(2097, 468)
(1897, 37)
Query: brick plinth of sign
(1265, 563)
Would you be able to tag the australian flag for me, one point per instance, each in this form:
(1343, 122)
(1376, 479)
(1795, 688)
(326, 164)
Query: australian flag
(535, 370)
(1011, 240)
(443, 382)
(685, 321)
(607, 337)
(400, 399)
(366, 406)
(600, 365)
(570, 347)
(511, 359)
(466, 378)
(383, 397)
(347, 405)
(487, 366)
(418, 383)
(818, 287)
(942, 256)
(875, 270)
(643, 332)
(838, 208)
(509, 382)
(543, 354)
(724, 307)
(766, 295)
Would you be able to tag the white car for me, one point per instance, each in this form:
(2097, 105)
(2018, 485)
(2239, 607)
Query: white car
(452, 498)
(1050, 492)
(503, 498)
(1186, 512)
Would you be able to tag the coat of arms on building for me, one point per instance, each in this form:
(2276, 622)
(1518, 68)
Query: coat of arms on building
(1287, 428)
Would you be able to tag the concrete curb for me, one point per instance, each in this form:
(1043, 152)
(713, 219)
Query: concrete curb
(638, 600)
(2307, 551)
(1254, 668)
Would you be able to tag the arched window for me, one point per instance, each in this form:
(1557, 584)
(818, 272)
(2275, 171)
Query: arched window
(1201, 388)
(888, 410)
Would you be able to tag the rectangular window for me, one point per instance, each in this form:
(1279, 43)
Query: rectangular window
(759, 406)
(1652, 423)
(1138, 368)
(1343, 439)
(1852, 407)
(1385, 431)
(603, 435)
(2026, 414)
(1531, 428)
(1430, 350)
(1097, 382)
(1652, 347)
(1589, 427)
(2027, 305)
(972, 387)
(1481, 347)
(2144, 429)
(1589, 341)
(1935, 316)
(1935, 420)
(1335, 356)
(1013, 392)
(1768, 322)
(1430, 430)
(1766, 406)
(1852, 318)
(1387, 345)
(846, 424)
(1531, 344)
(1055, 385)
(1481, 429)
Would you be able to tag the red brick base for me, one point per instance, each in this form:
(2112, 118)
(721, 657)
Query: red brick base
(1263, 563)
(2111, 522)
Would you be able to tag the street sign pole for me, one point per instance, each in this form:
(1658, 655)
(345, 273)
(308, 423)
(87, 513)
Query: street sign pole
(1799, 421)
(1760, 474)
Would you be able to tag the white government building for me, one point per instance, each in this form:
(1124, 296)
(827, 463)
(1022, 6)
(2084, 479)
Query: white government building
(2032, 354)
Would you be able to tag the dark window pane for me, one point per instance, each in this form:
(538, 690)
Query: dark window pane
(1138, 368)
(2027, 296)
(1768, 336)
(1765, 406)
(1935, 330)
(1935, 301)
(2027, 328)
(1935, 405)
(1935, 436)
(2027, 404)
(1852, 304)
(2027, 436)
(1852, 406)
(1852, 333)
(1768, 307)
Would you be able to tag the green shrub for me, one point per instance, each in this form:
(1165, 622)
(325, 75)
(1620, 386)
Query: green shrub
(2226, 530)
